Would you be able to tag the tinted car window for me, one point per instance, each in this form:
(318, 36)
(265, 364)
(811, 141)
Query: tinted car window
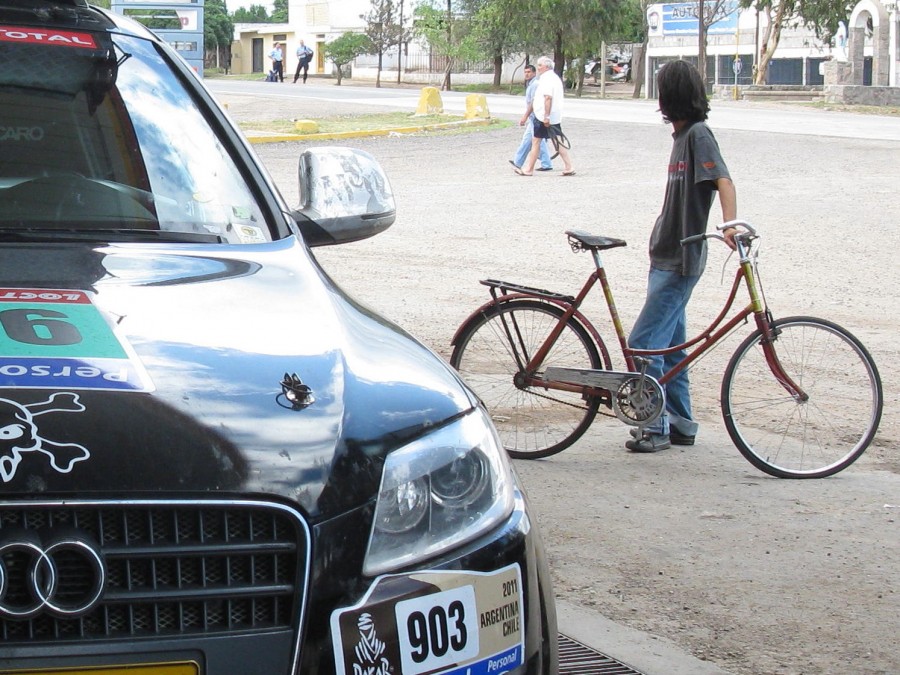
(111, 139)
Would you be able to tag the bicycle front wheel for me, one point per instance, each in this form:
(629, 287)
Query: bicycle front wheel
(790, 438)
(490, 354)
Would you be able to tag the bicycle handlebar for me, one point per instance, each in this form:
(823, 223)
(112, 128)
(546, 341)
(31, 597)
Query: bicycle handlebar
(743, 224)
(737, 223)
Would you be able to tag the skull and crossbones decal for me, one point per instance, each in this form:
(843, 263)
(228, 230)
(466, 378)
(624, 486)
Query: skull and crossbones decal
(19, 435)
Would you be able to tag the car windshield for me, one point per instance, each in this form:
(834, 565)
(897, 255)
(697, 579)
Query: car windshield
(98, 136)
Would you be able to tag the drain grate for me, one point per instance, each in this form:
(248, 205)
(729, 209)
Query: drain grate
(578, 659)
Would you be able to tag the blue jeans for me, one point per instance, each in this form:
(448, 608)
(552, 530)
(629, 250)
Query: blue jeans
(662, 323)
(525, 148)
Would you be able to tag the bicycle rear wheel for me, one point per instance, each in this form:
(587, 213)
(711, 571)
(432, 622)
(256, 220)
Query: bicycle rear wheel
(492, 349)
(815, 438)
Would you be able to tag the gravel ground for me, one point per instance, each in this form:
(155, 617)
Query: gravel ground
(756, 574)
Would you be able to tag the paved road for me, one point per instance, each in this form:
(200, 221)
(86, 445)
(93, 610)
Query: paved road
(728, 114)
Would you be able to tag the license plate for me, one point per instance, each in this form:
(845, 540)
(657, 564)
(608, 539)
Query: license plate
(148, 669)
(465, 623)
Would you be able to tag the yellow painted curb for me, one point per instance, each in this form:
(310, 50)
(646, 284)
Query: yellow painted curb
(261, 137)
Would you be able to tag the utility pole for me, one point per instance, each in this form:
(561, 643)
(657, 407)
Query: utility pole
(738, 64)
(603, 69)
(701, 40)
(400, 45)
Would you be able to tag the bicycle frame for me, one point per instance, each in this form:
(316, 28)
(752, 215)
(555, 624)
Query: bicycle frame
(696, 346)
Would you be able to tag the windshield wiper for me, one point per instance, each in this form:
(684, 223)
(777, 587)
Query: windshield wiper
(106, 234)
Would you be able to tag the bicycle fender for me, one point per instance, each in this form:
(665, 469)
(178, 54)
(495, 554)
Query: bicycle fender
(577, 316)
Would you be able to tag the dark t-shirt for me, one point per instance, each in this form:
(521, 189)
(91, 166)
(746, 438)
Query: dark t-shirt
(694, 166)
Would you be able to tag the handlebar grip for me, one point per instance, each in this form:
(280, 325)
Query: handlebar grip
(743, 224)
(692, 239)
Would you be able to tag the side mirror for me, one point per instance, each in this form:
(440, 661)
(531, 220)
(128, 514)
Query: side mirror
(344, 196)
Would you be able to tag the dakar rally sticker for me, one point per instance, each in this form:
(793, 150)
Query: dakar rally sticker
(440, 623)
(63, 38)
(58, 339)
(20, 436)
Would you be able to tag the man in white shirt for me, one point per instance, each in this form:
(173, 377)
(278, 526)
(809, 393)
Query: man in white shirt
(527, 121)
(548, 109)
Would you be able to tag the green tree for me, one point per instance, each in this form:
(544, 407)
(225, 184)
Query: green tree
(383, 30)
(449, 35)
(218, 30)
(568, 30)
(499, 29)
(638, 53)
(280, 11)
(252, 14)
(707, 13)
(579, 27)
(344, 49)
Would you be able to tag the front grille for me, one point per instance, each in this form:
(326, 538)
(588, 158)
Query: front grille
(171, 569)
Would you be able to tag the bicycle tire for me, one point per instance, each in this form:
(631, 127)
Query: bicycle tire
(815, 438)
(532, 422)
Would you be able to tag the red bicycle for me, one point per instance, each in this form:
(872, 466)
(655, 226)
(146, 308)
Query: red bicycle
(801, 397)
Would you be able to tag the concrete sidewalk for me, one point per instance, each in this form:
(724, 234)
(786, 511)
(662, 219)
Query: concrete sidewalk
(649, 654)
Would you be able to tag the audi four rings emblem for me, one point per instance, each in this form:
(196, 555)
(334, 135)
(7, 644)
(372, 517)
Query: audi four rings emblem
(61, 575)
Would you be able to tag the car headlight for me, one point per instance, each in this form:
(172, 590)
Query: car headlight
(438, 492)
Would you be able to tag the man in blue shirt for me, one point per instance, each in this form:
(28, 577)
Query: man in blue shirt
(277, 57)
(304, 57)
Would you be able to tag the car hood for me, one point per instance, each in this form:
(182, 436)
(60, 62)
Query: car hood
(172, 379)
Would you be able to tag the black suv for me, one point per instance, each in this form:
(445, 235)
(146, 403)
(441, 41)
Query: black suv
(212, 461)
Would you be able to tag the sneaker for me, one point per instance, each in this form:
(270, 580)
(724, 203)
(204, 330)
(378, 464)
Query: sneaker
(545, 168)
(649, 443)
(675, 436)
(678, 438)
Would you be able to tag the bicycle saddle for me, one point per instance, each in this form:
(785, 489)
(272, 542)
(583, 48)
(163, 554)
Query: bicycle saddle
(585, 241)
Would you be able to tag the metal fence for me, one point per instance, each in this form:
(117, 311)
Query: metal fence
(422, 62)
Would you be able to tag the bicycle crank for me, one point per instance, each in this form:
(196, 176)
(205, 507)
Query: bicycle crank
(639, 399)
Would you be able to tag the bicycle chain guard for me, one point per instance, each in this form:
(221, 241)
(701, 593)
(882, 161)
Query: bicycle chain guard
(639, 399)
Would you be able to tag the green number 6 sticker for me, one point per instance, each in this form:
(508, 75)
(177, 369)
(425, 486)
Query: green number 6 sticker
(39, 327)
(57, 326)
